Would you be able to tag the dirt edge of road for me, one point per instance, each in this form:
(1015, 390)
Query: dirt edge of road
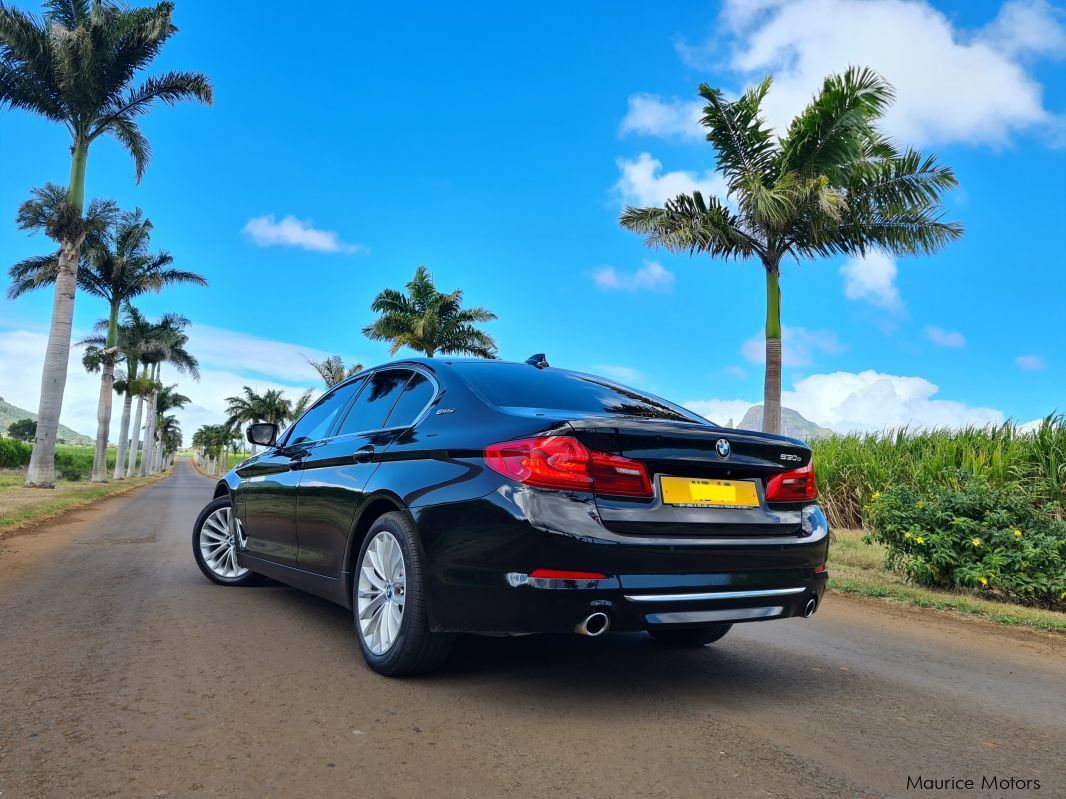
(937, 617)
(30, 525)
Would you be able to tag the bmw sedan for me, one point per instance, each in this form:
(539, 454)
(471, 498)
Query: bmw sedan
(440, 496)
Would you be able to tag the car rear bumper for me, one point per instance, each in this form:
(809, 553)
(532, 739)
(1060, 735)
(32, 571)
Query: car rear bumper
(479, 580)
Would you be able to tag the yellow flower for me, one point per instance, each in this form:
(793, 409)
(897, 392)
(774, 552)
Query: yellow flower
(976, 542)
(1017, 533)
(921, 504)
(876, 495)
(906, 535)
(919, 540)
(984, 581)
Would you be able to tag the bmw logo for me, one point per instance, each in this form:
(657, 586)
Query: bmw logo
(721, 446)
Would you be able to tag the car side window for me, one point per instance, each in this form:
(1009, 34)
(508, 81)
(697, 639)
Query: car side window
(373, 405)
(318, 420)
(414, 397)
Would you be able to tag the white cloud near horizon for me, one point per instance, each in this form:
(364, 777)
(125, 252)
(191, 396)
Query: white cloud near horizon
(971, 86)
(1031, 363)
(872, 278)
(799, 346)
(867, 401)
(944, 338)
(268, 231)
(652, 276)
(229, 360)
(643, 183)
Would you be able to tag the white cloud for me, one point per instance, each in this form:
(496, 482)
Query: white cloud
(268, 231)
(229, 360)
(650, 115)
(720, 411)
(799, 346)
(872, 278)
(1026, 28)
(623, 374)
(945, 338)
(864, 401)
(644, 184)
(952, 85)
(1030, 363)
(652, 276)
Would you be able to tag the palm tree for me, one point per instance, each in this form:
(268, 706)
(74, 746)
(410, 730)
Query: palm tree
(249, 407)
(168, 340)
(116, 267)
(137, 341)
(170, 436)
(332, 370)
(76, 66)
(430, 322)
(168, 399)
(832, 185)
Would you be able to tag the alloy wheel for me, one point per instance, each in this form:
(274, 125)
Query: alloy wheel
(382, 592)
(218, 545)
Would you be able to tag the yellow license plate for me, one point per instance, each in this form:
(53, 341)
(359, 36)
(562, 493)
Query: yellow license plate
(709, 493)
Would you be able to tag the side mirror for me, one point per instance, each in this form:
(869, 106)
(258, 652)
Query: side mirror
(264, 434)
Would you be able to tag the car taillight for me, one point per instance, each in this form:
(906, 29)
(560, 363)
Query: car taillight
(564, 462)
(795, 486)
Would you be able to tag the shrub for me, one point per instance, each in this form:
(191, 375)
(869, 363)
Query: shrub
(14, 453)
(967, 532)
(851, 468)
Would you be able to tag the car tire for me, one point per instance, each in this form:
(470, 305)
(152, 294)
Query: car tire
(412, 648)
(692, 638)
(215, 550)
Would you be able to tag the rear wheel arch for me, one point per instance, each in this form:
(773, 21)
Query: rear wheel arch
(375, 508)
(221, 489)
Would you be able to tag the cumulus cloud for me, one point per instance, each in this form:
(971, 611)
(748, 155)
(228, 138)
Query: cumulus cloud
(974, 86)
(269, 231)
(650, 115)
(944, 338)
(1030, 363)
(643, 183)
(872, 278)
(229, 360)
(652, 276)
(799, 346)
(864, 401)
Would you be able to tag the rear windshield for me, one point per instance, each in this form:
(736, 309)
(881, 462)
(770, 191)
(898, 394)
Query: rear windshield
(516, 385)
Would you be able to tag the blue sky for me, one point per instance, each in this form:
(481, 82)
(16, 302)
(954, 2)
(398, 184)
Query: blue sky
(496, 143)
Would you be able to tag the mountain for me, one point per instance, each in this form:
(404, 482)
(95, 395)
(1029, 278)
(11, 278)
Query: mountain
(792, 424)
(11, 413)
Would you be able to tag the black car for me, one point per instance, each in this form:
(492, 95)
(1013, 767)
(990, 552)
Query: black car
(436, 496)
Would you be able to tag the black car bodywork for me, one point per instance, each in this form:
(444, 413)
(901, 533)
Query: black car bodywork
(503, 556)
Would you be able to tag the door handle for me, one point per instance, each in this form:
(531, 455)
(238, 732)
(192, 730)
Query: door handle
(363, 453)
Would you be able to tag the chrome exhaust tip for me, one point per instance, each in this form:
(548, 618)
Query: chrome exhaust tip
(812, 605)
(594, 624)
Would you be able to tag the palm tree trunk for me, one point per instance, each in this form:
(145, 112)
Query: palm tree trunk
(149, 426)
(135, 435)
(107, 384)
(42, 469)
(124, 424)
(771, 403)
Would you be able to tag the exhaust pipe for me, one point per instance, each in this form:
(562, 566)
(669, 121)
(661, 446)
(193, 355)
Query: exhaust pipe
(812, 605)
(594, 624)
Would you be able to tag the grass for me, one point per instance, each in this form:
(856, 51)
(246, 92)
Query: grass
(851, 468)
(20, 507)
(856, 567)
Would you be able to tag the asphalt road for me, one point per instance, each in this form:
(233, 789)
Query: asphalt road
(123, 672)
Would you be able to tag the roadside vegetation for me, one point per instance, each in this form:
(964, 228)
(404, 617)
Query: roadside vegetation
(978, 511)
(857, 567)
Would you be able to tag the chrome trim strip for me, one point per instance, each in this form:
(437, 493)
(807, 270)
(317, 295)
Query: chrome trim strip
(691, 616)
(713, 595)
